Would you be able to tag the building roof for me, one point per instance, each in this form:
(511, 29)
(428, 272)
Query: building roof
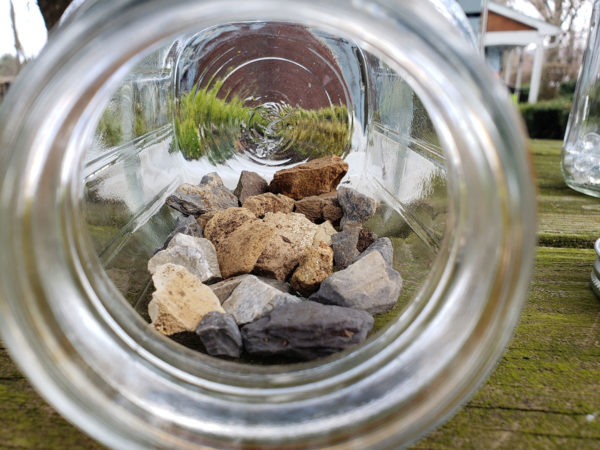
(541, 26)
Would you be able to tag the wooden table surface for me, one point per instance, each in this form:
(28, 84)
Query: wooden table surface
(545, 392)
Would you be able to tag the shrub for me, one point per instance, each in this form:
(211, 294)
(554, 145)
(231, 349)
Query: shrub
(546, 119)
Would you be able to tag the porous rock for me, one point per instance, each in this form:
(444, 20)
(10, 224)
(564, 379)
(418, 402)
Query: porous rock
(184, 225)
(269, 202)
(249, 185)
(324, 233)
(224, 222)
(223, 289)
(239, 252)
(306, 331)
(220, 335)
(253, 298)
(384, 247)
(293, 234)
(210, 196)
(180, 300)
(345, 246)
(365, 238)
(368, 284)
(315, 265)
(315, 177)
(357, 207)
(197, 255)
(319, 208)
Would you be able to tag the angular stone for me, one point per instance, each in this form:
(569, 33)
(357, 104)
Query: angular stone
(324, 233)
(224, 222)
(249, 185)
(210, 196)
(319, 208)
(365, 238)
(252, 299)
(293, 234)
(180, 300)
(368, 284)
(265, 203)
(357, 207)
(315, 177)
(220, 335)
(239, 252)
(344, 246)
(197, 255)
(315, 265)
(184, 225)
(306, 331)
(384, 247)
(223, 289)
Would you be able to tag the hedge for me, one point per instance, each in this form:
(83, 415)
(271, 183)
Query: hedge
(546, 119)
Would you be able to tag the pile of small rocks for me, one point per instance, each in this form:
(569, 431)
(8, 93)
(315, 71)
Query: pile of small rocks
(274, 277)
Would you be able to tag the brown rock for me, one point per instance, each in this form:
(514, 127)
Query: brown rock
(293, 234)
(315, 177)
(180, 300)
(316, 264)
(249, 185)
(319, 208)
(265, 203)
(224, 222)
(239, 252)
(365, 238)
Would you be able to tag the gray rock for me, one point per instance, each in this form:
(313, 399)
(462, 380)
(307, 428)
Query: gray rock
(344, 246)
(197, 255)
(357, 207)
(220, 335)
(184, 225)
(306, 331)
(368, 284)
(210, 196)
(223, 289)
(249, 185)
(253, 298)
(384, 247)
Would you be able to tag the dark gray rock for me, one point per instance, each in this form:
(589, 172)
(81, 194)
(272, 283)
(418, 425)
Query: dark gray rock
(344, 246)
(384, 247)
(357, 207)
(223, 289)
(249, 185)
(210, 196)
(368, 284)
(184, 225)
(220, 335)
(306, 331)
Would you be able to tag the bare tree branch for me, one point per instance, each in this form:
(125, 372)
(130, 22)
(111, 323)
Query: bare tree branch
(18, 46)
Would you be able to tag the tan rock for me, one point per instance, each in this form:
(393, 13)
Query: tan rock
(240, 250)
(204, 219)
(318, 208)
(264, 203)
(316, 264)
(293, 233)
(180, 300)
(224, 222)
(324, 233)
(315, 177)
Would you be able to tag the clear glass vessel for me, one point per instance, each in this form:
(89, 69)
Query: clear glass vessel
(581, 148)
(95, 140)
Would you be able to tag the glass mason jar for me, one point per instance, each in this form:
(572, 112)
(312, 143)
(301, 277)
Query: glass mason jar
(581, 148)
(94, 139)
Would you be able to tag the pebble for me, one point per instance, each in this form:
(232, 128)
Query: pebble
(224, 222)
(197, 255)
(223, 289)
(316, 264)
(180, 300)
(357, 207)
(368, 284)
(306, 331)
(220, 335)
(210, 196)
(269, 202)
(315, 177)
(319, 208)
(249, 185)
(184, 225)
(344, 246)
(384, 247)
(252, 299)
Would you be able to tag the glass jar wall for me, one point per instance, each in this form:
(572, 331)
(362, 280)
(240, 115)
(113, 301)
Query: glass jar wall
(100, 144)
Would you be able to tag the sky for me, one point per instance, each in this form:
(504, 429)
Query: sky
(30, 26)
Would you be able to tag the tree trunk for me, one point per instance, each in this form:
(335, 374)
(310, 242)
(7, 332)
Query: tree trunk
(52, 10)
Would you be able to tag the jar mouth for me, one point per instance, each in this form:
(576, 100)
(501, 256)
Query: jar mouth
(388, 390)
